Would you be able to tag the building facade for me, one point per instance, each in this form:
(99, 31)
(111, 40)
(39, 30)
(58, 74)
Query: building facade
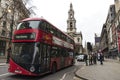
(104, 41)
(71, 30)
(97, 42)
(10, 13)
(111, 31)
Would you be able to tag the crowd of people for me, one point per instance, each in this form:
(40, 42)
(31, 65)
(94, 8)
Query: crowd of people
(93, 58)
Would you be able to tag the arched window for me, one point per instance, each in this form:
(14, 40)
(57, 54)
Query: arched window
(78, 39)
(71, 26)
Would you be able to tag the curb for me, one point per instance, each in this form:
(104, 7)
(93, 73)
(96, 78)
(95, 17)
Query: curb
(78, 76)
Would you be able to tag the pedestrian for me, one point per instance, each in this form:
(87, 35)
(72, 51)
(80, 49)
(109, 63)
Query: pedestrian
(8, 53)
(90, 59)
(101, 57)
(85, 59)
(94, 58)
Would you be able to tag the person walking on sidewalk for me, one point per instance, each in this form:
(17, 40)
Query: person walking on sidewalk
(94, 58)
(90, 59)
(85, 59)
(101, 57)
(8, 53)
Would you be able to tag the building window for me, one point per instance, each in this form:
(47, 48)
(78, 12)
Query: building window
(111, 9)
(2, 48)
(3, 33)
(4, 24)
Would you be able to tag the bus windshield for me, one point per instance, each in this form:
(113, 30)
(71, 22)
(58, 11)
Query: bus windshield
(23, 52)
(28, 24)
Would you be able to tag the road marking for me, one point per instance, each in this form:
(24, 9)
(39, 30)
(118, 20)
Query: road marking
(1, 64)
(4, 74)
(63, 77)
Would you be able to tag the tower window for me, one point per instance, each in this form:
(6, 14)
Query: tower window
(71, 26)
(71, 16)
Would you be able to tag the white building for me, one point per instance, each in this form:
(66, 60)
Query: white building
(71, 30)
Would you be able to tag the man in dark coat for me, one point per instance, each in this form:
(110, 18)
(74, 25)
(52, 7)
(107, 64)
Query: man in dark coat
(8, 53)
(101, 58)
(85, 59)
(94, 58)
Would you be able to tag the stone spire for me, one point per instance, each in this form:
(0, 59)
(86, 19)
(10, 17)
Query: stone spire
(71, 22)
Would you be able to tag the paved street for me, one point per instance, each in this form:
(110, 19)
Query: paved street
(2, 62)
(64, 74)
(110, 70)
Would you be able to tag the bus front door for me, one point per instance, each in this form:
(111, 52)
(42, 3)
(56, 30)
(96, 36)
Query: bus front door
(45, 58)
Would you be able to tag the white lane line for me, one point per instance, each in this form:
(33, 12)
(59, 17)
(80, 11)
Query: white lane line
(2, 64)
(4, 74)
(63, 77)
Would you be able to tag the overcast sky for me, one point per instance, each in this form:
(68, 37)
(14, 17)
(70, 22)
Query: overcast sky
(90, 15)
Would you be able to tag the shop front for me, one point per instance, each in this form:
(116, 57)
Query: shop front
(3, 47)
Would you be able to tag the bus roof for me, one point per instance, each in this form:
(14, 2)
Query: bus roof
(30, 19)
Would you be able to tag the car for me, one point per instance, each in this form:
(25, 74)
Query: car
(80, 57)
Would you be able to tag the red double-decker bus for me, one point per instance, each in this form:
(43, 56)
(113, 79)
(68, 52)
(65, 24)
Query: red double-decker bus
(38, 47)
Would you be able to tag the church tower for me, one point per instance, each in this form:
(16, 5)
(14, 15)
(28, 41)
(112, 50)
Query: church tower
(71, 22)
(71, 30)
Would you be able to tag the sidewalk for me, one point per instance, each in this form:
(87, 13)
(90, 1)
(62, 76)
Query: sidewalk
(110, 70)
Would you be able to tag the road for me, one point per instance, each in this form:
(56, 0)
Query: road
(64, 74)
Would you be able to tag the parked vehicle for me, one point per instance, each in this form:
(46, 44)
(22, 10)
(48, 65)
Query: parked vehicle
(80, 57)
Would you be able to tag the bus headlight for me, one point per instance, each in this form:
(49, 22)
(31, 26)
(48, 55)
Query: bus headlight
(32, 68)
